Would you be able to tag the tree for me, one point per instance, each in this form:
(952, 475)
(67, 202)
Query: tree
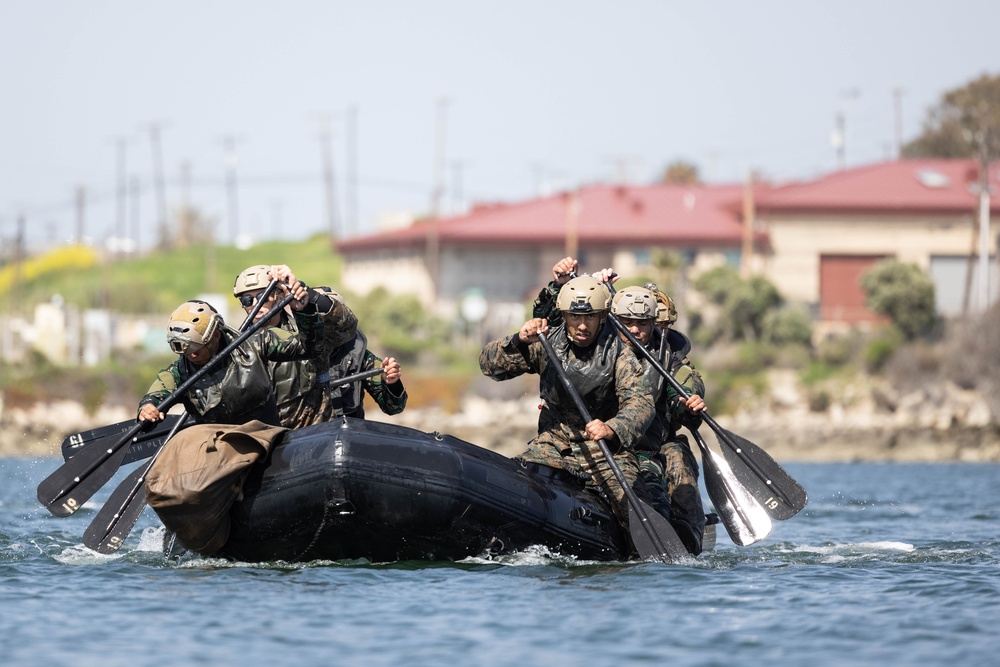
(903, 293)
(681, 172)
(744, 303)
(964, 124)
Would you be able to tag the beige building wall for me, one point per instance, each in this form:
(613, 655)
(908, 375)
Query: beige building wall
(398, 271)
(798, 243)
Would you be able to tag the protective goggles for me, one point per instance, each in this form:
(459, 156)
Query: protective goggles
(248, 300)
(180, 346)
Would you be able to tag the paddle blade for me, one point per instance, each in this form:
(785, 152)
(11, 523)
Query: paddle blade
(744, 518)
(143, 445)
(72, 484)
(653, 536)
(112, 525)
(777, 492)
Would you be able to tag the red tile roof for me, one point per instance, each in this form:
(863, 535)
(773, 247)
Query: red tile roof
(653, 214)
(699, 215)
(907, 186)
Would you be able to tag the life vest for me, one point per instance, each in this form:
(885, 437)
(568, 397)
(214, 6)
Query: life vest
(292, 379)
(236, 391)
(591, 370)
(347, 360)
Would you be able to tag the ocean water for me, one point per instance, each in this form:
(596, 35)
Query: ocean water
(889, 564)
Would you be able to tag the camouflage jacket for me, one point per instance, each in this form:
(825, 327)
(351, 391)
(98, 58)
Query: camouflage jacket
(295, 382)
(607, 376)
(670, 414)
(355, 357)
(238, 389)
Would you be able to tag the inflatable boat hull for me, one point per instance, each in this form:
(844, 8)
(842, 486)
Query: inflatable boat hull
(355, 489)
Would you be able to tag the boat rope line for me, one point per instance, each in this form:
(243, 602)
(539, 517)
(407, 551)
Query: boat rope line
(327, 506)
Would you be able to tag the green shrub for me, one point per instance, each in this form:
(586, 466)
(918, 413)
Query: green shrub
(903, 293)
(789, 324)
(836, 350)
(879, 350)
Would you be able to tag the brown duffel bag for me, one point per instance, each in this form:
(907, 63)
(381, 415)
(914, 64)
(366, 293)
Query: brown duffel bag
(199, 475)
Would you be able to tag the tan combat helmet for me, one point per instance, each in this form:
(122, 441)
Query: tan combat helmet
(666, 312)
(636, 303)
(583, 294)
(252, 278)
(192, 326)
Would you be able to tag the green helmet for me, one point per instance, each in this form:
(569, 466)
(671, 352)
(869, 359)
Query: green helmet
(636, 303)
(192, 326)
(252, 278)
(583, 294)
(666, 313)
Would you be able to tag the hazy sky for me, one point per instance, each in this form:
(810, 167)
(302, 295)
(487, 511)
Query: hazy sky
(539, 95)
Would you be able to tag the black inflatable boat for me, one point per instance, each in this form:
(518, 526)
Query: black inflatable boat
(354, 489)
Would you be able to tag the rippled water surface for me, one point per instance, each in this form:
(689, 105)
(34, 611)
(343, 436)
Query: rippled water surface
(889, 564)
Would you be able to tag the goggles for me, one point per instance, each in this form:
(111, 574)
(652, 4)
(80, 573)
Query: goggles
(179, 346)
(248, 300)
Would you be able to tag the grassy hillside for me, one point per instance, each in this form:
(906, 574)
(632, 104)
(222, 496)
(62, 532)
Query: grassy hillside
(156, 283)
(436, 371)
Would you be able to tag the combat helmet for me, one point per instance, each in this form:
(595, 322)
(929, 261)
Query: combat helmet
(666, 313)
(192, 326)
(252, 278)
(583, 294)
(636, 303)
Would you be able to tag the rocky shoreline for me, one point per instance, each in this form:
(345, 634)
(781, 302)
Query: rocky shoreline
(868, 423)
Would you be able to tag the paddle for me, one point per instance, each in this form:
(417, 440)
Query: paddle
(780, 495)
(153, 435)
(652, 536)
(142, 446)
(350, 379)
(66, 489)
(744, 518)
(115, 520)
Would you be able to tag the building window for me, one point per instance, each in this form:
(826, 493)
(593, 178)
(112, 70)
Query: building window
(643, 257)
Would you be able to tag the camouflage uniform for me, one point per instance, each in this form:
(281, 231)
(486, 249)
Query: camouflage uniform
(238, 389)
(355, 357)
(666, 463)
(610, 381)
(667, 466)
(301, 387)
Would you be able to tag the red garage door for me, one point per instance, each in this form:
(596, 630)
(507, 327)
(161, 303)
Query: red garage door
(841, 298)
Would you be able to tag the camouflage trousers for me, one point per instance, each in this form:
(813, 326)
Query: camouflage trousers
(314, 407)
(674, 467)
(586, 458)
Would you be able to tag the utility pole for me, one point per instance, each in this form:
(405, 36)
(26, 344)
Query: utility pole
(135, 214)
(439, 157)
(897, 95)
(229, 143)
(984, 233)
(326, 158)
(121, 187)
(18, 265)
(573, 207)
(433, 234)
(81, 202)
(749, 220)
(839, 137)
(159, 184)
(457, 203)
(352, 224)
(184, 234)
(276, 206)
